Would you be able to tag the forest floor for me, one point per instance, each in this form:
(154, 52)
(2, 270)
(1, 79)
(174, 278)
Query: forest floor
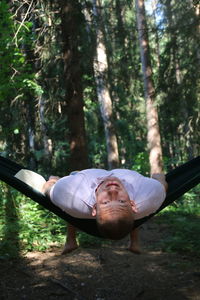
(107, 272)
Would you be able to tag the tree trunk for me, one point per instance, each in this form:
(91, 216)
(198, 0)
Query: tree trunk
(154, 6)
(47, 143)
(197, 14)
(122, 40)
(11, 228)
(71, 26)
(28, 111)
(103, 94)
(153, 136)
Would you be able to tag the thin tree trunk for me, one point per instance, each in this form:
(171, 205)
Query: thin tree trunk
(30, 119)
(154, 5)
(11, 228)
(47, 143)
(153, 137)
(122, 40)
(100, 72)
(24, 13)
(195, 5)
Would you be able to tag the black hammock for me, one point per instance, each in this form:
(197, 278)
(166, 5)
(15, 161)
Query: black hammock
(180, 180)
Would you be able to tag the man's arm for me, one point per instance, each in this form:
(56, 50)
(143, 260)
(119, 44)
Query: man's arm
(48, 185)
(71, 243)
(161, 178)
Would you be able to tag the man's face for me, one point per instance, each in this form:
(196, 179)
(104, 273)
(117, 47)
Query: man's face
(112, 199)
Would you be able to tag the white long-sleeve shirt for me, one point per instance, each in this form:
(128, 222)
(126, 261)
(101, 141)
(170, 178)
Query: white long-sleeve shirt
(75, 194)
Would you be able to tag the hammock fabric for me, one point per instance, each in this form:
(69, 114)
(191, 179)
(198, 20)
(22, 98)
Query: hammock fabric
(180, 180)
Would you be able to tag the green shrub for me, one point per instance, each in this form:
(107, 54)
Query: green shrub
(183, 219)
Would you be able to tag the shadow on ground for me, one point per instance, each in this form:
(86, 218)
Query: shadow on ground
(106, 273)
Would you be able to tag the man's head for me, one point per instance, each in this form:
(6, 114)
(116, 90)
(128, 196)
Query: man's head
(114, 210)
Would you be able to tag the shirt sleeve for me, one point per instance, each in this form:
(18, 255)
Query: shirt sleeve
(69, 193)
(150, 194)
(61, 193)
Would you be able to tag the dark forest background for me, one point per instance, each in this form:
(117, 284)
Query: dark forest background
(94, 84)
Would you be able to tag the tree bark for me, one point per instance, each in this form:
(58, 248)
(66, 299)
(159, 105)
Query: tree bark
(154, 5)
(47, 142)
(153, 136)
(71, 26)
(122, 40)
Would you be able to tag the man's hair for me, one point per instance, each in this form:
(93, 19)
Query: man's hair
(115, 228)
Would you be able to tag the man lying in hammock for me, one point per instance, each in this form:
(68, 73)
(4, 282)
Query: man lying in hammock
(115, 198)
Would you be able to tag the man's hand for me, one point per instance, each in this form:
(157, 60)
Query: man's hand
(161, 178)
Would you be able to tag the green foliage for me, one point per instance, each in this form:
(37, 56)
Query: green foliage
(34, 86)
(141, 163)
(17, 80)
(15, 70)
(39, 228)
(9, 55)
(31, 228)
(183, 219)
(178, 84)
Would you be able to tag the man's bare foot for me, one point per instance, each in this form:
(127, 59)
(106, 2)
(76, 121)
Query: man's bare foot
(69, 247)
(135, 249)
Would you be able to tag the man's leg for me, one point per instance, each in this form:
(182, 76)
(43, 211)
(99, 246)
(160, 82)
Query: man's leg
(134, 241)
(71, 243)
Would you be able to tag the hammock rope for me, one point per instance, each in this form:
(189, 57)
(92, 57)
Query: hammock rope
(180, 180)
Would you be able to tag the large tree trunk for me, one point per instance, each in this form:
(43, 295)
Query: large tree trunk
(71, 26)
(103, 94)
(153, 137)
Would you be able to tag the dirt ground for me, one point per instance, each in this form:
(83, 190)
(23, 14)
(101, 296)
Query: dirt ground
(109, 272)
